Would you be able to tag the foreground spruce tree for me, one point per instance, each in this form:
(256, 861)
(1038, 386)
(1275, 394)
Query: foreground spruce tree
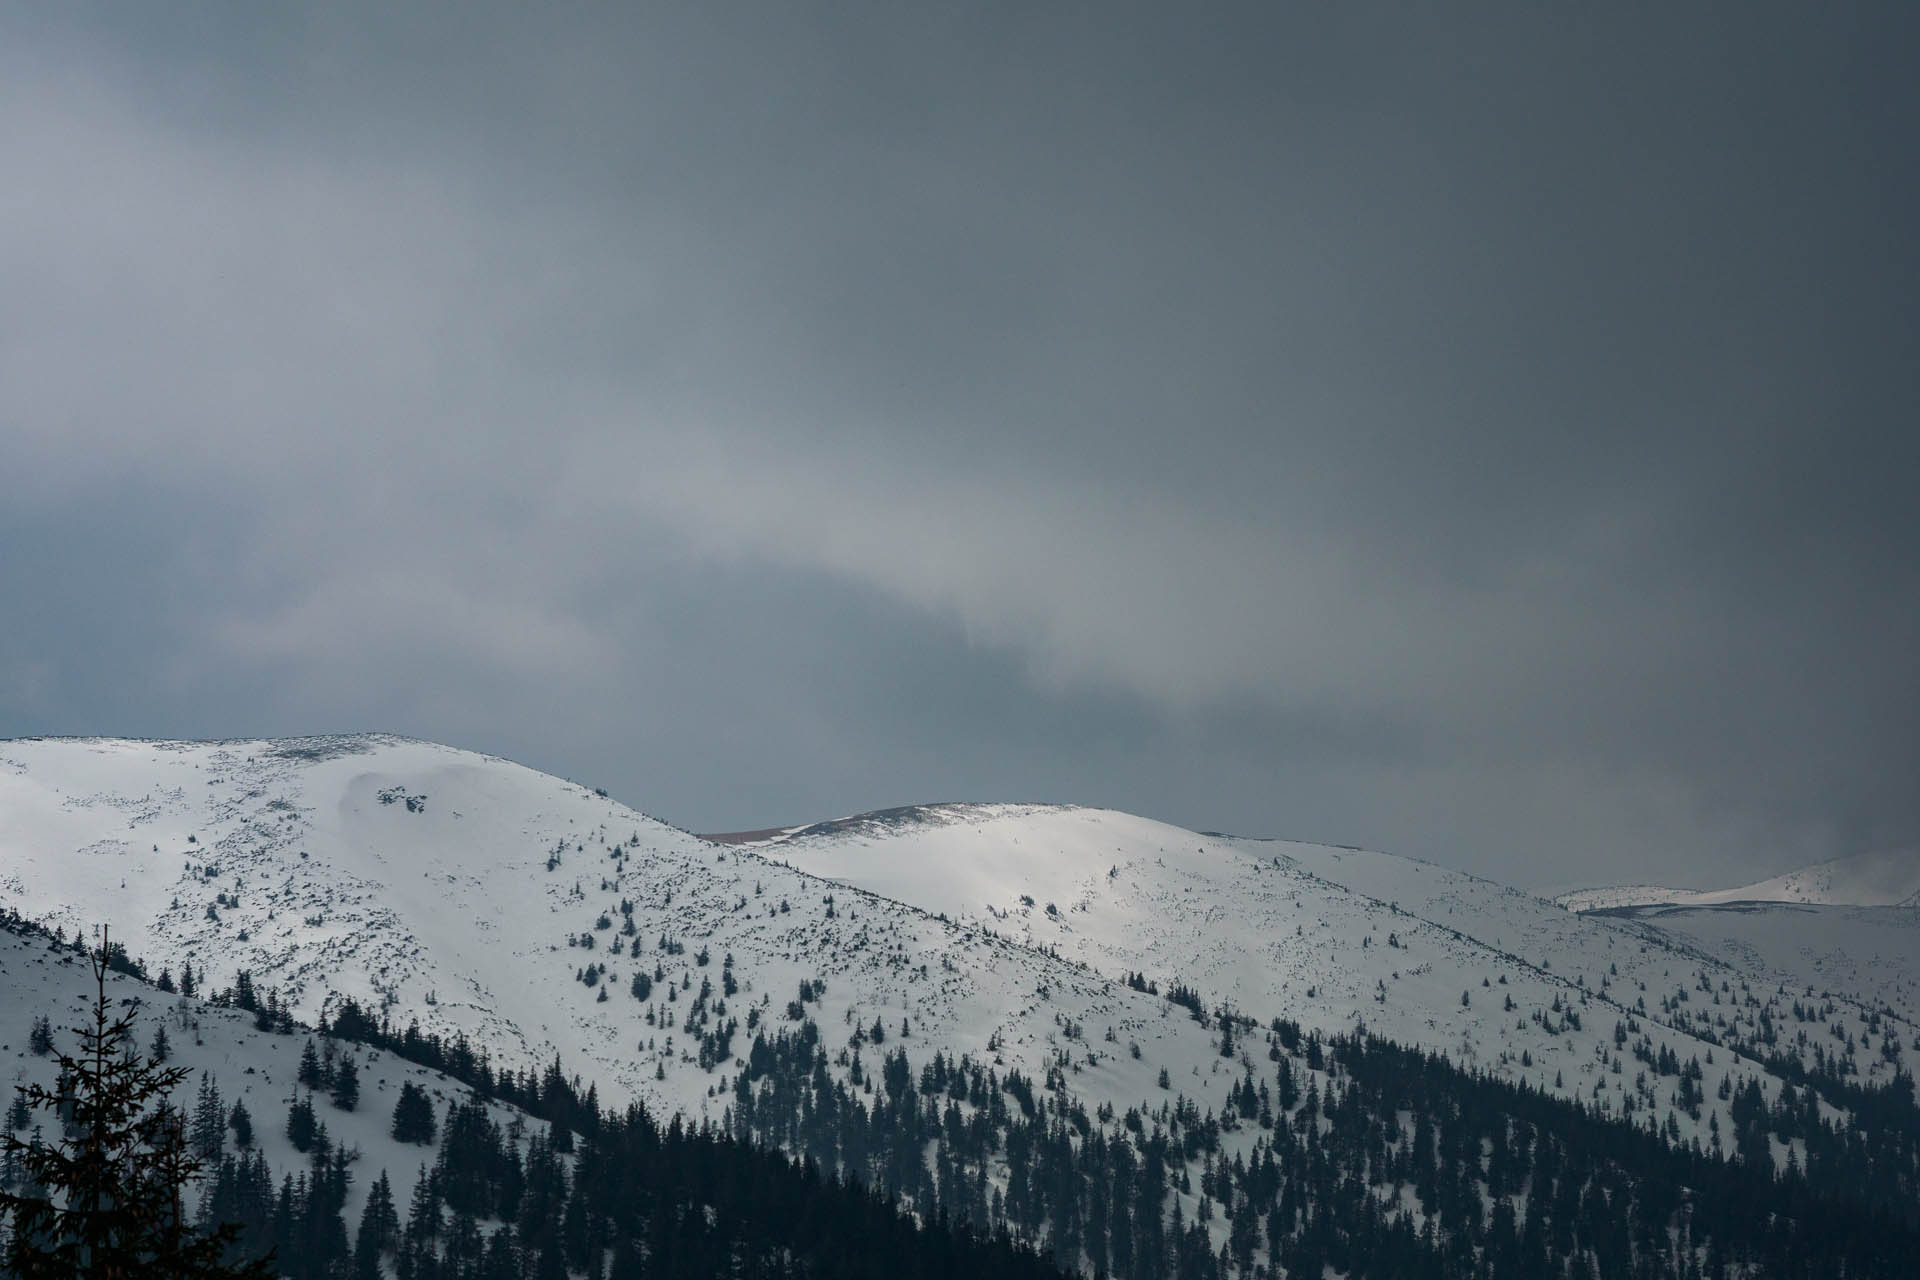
(105, 1203)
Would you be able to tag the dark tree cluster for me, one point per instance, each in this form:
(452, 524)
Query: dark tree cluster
(504, 1202)
(549, 1095)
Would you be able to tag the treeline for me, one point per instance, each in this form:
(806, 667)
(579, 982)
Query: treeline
(118, 961)
(550, 1095)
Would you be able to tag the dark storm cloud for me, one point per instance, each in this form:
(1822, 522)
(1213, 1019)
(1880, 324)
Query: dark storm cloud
(1487, 437)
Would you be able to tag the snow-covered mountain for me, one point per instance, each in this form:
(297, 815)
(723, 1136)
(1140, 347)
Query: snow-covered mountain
(487, 900)
(1336, 938)
(538, 917)
(1885, 879)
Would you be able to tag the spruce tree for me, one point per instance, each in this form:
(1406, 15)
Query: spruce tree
(423, 1213)
(301, 1126)
(379, 1230)
(309, 1073)
(241, 1122)
(346, 1084)
(209, 1120)
(413, 1115)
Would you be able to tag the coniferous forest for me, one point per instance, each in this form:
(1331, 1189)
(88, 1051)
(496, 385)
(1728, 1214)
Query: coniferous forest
(627, 1199)
(1347, 1153)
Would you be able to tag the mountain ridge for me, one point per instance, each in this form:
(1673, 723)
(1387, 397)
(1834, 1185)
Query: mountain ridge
(1115, 976)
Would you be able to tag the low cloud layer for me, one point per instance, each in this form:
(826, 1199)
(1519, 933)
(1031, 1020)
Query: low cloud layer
(1493, 444)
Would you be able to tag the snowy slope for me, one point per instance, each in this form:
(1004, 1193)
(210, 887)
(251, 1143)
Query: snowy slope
(1869, 954)
(1848, 928)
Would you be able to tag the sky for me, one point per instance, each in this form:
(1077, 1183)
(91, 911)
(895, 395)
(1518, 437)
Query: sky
(1485, 433)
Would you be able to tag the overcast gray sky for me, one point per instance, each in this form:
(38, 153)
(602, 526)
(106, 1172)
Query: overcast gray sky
(1482, 432)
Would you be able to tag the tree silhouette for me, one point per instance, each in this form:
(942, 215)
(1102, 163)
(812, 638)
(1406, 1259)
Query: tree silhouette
(346, 1085)
(413, 1119)
(105, 1202)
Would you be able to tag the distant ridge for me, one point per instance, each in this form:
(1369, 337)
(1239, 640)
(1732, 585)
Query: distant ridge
(875, 821)
(1886, 879)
